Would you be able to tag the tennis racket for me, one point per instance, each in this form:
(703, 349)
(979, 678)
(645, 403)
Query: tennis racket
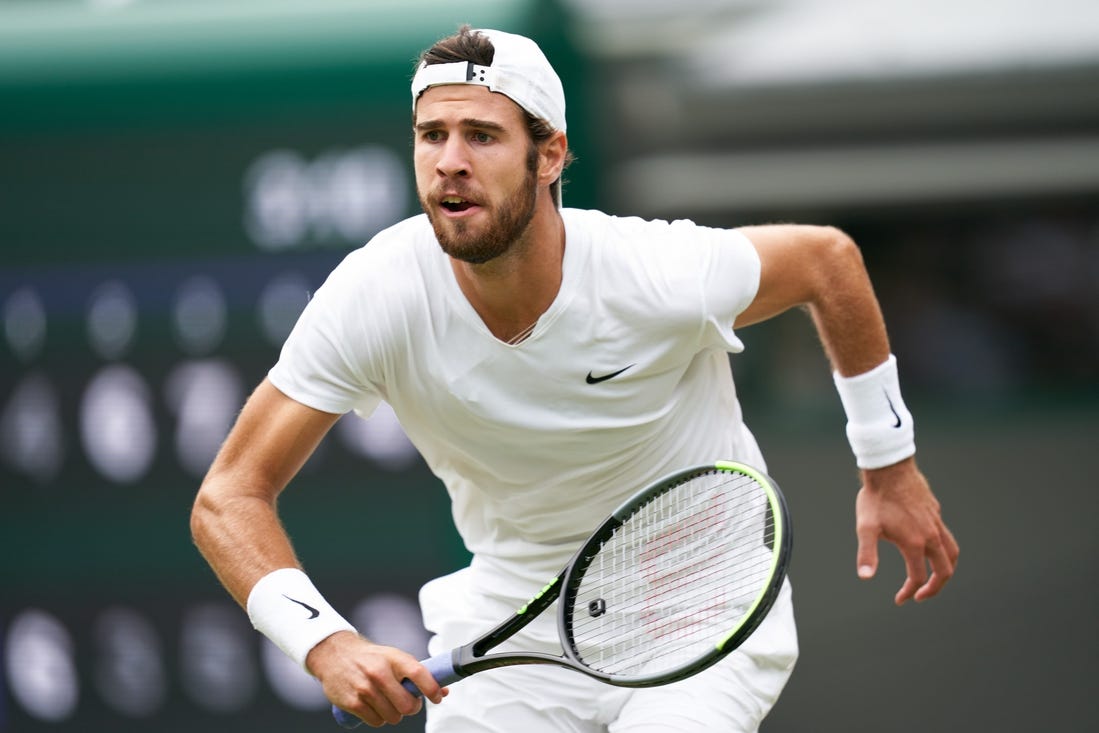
(674, 579)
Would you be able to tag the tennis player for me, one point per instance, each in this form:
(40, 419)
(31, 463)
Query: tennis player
(547, 362)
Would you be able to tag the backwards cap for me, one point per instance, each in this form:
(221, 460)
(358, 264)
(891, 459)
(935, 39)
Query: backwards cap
(519, 70)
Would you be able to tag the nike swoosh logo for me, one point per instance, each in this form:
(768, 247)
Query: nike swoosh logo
(892, 409)
(590, 379)
(313, 613)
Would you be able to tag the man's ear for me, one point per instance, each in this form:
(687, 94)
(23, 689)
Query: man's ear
(551, 158)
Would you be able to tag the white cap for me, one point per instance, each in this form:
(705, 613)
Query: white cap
(519, 70)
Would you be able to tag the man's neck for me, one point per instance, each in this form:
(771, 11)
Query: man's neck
(512, 291)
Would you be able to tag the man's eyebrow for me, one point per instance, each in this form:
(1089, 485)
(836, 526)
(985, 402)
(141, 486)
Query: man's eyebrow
(470, 122)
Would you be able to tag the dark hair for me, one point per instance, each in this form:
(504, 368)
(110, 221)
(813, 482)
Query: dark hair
(471, 46)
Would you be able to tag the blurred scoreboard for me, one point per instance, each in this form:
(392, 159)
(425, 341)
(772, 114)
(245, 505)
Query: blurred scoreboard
(175, 180)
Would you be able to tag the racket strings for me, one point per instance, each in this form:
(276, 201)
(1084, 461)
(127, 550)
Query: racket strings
(676, 577)
(682, 623)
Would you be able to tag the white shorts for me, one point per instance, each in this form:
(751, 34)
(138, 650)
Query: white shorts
(734, 695)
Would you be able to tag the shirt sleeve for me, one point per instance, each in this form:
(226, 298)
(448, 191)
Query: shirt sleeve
(318, 365)
(728, 269)
(732, 280)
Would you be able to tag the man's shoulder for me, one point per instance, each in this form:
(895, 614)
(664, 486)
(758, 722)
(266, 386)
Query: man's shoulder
(633, 228)
(391, 256)
(596, 219)
(406, 240)
(404, 233)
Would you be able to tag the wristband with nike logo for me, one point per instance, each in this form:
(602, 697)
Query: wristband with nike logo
(286, 608)
(879, 425)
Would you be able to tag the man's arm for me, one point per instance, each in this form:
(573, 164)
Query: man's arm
(234, 520)
(821, 269)
(235, 524)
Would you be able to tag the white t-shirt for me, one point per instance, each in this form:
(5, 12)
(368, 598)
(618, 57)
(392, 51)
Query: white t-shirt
(534, 442)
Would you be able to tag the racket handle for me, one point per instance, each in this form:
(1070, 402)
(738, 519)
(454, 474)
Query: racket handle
(345, 719)
(442, 669)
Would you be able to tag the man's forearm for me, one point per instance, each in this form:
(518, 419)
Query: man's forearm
(240, 537)
(846, 312)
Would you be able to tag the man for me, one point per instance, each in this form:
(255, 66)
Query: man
(546, 362)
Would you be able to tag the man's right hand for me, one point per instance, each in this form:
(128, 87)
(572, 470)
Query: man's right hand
(364, 678)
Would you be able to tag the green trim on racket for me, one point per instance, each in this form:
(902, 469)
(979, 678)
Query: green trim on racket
(537, 596)
(782, 535)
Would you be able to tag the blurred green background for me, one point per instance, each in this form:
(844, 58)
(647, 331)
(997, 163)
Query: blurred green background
(177, 177)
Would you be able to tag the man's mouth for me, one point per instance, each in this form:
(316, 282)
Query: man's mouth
(456, 204)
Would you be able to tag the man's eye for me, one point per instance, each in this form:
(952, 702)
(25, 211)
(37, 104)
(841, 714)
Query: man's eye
(433, 136)
(482, 137)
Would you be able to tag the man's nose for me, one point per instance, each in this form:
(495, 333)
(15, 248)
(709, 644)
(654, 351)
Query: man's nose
(453, 159)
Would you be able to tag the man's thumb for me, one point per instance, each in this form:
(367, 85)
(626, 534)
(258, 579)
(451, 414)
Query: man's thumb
(866, 559)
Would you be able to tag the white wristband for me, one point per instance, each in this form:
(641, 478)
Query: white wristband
(879, 426)
(286, 608)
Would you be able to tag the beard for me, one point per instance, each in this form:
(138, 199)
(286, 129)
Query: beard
(507, 226)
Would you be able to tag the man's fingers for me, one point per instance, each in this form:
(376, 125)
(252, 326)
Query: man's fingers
(380, 699)
(422, 679)
(951, 545)
(942, 555)
(907, 592)
(364, 713)
(915, 564)
(912, 583)
(396, 701)
(378, 710)
(943, 558)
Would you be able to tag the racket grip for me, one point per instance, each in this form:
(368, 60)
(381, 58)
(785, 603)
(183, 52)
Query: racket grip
(345, 719)
(442, 669)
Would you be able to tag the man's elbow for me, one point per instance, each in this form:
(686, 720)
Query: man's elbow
(203, 511)
(839, 259)
(838, 246)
